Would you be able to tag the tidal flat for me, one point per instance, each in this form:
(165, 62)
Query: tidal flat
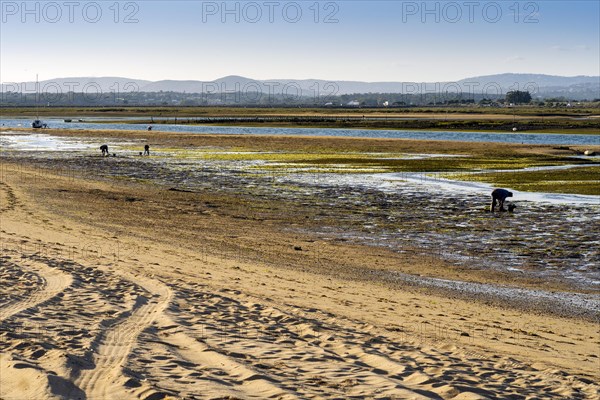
(425, 198)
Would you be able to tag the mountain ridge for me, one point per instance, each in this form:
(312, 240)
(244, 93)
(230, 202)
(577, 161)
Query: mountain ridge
(539, 84)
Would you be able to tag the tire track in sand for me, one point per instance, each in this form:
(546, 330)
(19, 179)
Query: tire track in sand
(240, 377)
(54, 282)
(104, 381)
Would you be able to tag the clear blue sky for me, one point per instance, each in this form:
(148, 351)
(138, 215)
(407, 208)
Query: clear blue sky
(342, 40)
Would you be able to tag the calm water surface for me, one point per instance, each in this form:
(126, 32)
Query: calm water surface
(501, 137)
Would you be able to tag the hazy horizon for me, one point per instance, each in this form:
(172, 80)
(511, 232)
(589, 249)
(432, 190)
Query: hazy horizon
(282, 78)
(377, 41)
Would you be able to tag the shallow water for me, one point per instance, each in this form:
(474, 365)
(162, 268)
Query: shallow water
(483, 189)
(500, 137)
(42, 142)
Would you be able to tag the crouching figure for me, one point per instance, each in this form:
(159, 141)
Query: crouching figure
(500, 196)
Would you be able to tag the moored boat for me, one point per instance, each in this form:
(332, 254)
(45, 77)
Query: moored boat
(37, 123)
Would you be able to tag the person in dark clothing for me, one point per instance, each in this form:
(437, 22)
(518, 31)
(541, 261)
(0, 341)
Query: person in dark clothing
(500, 196)
(104, 149)
(147, 150)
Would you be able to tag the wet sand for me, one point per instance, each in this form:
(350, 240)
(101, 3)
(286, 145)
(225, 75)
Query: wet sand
(116, 288)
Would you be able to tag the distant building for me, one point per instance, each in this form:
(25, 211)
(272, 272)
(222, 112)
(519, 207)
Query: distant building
(353, 103)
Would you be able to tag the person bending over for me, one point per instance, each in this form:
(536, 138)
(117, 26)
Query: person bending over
(500, 196)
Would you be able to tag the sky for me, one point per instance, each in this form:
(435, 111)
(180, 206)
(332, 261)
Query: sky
(331, 40)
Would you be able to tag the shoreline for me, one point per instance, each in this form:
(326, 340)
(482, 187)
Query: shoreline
(592, 131)
(527, 119)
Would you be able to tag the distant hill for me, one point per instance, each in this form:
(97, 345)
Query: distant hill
(227, 83)
(78, 84)
(576, 87)
(506, 80)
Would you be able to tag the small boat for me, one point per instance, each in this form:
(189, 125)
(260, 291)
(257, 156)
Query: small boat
(37, 124)
(68, 120)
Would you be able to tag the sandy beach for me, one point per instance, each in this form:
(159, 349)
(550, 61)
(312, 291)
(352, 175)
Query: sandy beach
(126, 289)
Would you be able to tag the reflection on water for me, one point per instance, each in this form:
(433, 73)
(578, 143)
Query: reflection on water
(42, 142)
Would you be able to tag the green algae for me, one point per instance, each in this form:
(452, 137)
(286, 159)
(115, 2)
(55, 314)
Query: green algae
(481, 168)
(583, 180)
